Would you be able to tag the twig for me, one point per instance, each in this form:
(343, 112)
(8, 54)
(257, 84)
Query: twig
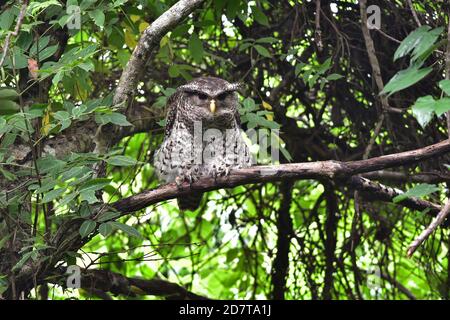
(15, 32)
(376, 71)
(429, 230)
(447, 71)
(414, 13)
(318, 32)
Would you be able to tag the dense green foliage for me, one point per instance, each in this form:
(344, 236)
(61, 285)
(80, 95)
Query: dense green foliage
(312, 80)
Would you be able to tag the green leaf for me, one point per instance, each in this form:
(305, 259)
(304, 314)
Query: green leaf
(46, 185)
(8, 107)
(126, 228)
(3, 240)
(423, 110)
(47, 52)
(162, 123)
(266, 40)
(87, 227)
(52, 195)
(64, 119)
(249, 105)
(259, 16)
(74, 172)
(418, 191)
(95, 184)
(410, 42)
(39, 45)
(196, 48)
(334, 76)
(8, 175)
(108, 216)
(7, 19)
(119, 119)
(122, 161)
(68, 198)
(405, 79)
(8, 94)
(426, 42)
(85, 210)
(61, 115)
(174, 71)
(77, 111)
(105, 229)
(123, 56)
(114, 117)
(443, 84)
(262, 51)
(50, 164)
(442, 106)
(98, 16)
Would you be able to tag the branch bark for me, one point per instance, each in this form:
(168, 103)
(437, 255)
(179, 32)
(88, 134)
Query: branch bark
(280, 267)
(308, 170)
(149, 40)
(100, 282)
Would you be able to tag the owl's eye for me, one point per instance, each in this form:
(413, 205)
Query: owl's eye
(202, 96)
(222, 96)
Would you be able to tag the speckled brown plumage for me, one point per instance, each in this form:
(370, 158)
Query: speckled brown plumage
(188, 151)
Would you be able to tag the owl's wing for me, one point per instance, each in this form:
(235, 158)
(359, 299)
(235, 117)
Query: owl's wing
(171, 113)
(237, 117)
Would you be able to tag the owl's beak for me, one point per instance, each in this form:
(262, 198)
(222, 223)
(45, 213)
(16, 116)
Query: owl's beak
(212, 106)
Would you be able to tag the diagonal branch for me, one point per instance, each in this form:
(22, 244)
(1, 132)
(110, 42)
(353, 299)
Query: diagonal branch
(14, 33)
(429, 230)
(130, 76)
(149, 40)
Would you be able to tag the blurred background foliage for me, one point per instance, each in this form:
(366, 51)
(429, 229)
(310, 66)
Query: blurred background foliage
(313, 81)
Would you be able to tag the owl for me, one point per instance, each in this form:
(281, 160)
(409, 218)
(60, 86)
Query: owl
(202, 135)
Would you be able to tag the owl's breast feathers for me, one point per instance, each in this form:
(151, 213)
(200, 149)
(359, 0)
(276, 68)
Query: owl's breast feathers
(182, 155)
(186, 156)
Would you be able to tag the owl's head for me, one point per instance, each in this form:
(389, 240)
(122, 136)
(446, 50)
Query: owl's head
(211, 100)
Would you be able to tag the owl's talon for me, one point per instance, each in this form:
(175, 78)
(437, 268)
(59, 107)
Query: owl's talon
(179, 182)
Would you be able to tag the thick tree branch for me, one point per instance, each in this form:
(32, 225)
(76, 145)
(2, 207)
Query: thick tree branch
(103, 281)
(308, 170)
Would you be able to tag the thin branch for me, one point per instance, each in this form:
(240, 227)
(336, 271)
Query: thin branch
(447, 71)
(14, 33)
(376, 72)
(429, 230)
(318, 32)
(414, 13)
